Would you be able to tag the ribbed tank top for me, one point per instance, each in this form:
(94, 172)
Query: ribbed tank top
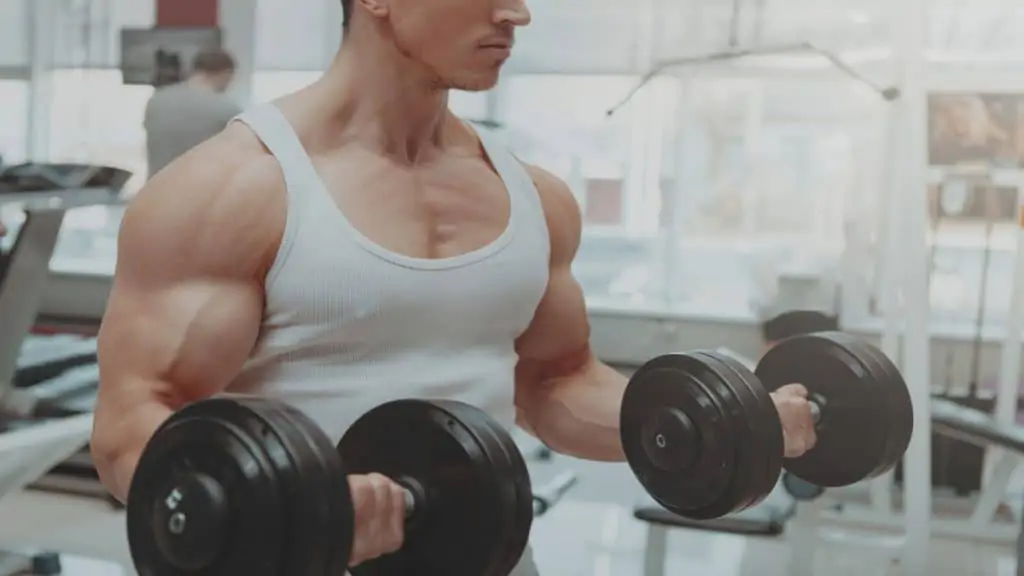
(349, 324)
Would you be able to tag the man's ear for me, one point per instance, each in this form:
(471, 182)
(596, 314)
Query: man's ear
(376, 8)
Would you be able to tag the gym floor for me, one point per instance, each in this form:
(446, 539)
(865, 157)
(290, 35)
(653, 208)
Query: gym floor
(591, 533)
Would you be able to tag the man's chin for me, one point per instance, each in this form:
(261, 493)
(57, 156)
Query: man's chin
(477, 83)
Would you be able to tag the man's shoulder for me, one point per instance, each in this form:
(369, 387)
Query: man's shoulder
(561, 212)
(228, 190)
(231, 165)
(555, 194)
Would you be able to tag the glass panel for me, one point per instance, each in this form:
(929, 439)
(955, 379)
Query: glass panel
(94, 118)
(612, 164)
(581, 36)
(291, 34)
(87, 33)
(13, 120)
(767, 174)
(13, 33)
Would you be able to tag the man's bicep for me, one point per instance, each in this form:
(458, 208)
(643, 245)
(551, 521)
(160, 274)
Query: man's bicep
(186, 303)
(559, 335)
(183, 324)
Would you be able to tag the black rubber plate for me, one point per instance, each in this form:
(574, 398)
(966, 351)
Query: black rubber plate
(703, 489)
(851, 443)
(746, 476)
(214, 438)
(473, 523)
(511, 465)
(882, 421)
(895, 396)
(318, 504)
(766, 433)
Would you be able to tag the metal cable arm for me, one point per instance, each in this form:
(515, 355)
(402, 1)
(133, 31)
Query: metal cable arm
(887, 93)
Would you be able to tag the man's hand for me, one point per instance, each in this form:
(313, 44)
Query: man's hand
(797, 419)
(380, 517)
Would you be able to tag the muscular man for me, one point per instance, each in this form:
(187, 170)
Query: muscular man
(182, 115)
(354, 243)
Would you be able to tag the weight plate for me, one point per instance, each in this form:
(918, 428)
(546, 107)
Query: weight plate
(206, 497)
(319, 513)
(678, 425)
(901, 409)
(883, 425)
(892, 393)
(849, 442)
(746, 475)
(767, 433)
(510, 465)
(476, 518)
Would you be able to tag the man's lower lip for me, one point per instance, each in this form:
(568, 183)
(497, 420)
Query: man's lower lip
(503, 50)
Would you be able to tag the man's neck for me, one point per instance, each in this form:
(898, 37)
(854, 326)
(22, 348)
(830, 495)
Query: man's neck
(387, 102)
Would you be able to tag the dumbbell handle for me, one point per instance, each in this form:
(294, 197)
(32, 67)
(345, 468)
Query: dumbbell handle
(548, 495)
(544, 498)
(815, 411)
(413, 492)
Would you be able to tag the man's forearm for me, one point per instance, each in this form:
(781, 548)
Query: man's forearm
(118, 444)
(577, 414)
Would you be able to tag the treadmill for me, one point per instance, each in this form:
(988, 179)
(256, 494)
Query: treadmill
(46, 381)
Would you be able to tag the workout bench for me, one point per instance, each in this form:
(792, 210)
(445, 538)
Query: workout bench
(767, 519)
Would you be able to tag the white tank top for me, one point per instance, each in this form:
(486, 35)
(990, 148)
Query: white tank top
(349, 324)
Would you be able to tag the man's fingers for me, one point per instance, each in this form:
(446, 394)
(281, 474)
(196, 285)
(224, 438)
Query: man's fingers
(793, 390)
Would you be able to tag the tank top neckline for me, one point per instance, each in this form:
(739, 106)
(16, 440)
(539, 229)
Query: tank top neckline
(493, 156)
(498, 158)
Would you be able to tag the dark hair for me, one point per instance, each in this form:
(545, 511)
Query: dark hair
(797, 323)
(213, 61)
(346, 9)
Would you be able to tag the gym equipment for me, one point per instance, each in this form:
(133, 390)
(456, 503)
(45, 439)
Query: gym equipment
(886, 93)
(702, 434)
(252, 486)
(46, 357)
(800, 489)
(44, 192)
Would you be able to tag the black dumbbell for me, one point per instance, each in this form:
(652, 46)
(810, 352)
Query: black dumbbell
(252, 486)
(702, 434)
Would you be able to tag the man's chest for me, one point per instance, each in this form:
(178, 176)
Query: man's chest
(438, 210)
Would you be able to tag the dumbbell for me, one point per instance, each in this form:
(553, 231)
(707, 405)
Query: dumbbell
(703, 437)
(252, 486)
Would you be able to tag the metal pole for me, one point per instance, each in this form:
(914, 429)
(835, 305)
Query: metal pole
(891, 206)
(1010, 358)
(908, 29)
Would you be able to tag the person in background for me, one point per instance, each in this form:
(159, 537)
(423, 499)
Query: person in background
(795, 323)
(183, 115)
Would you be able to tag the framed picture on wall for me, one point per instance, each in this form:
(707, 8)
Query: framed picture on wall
(966, 129)
(161, 56)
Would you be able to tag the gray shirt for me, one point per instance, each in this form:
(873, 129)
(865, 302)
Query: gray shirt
(179, 117)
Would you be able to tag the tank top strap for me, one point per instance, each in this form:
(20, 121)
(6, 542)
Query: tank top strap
(522, 192)
(269, 124)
